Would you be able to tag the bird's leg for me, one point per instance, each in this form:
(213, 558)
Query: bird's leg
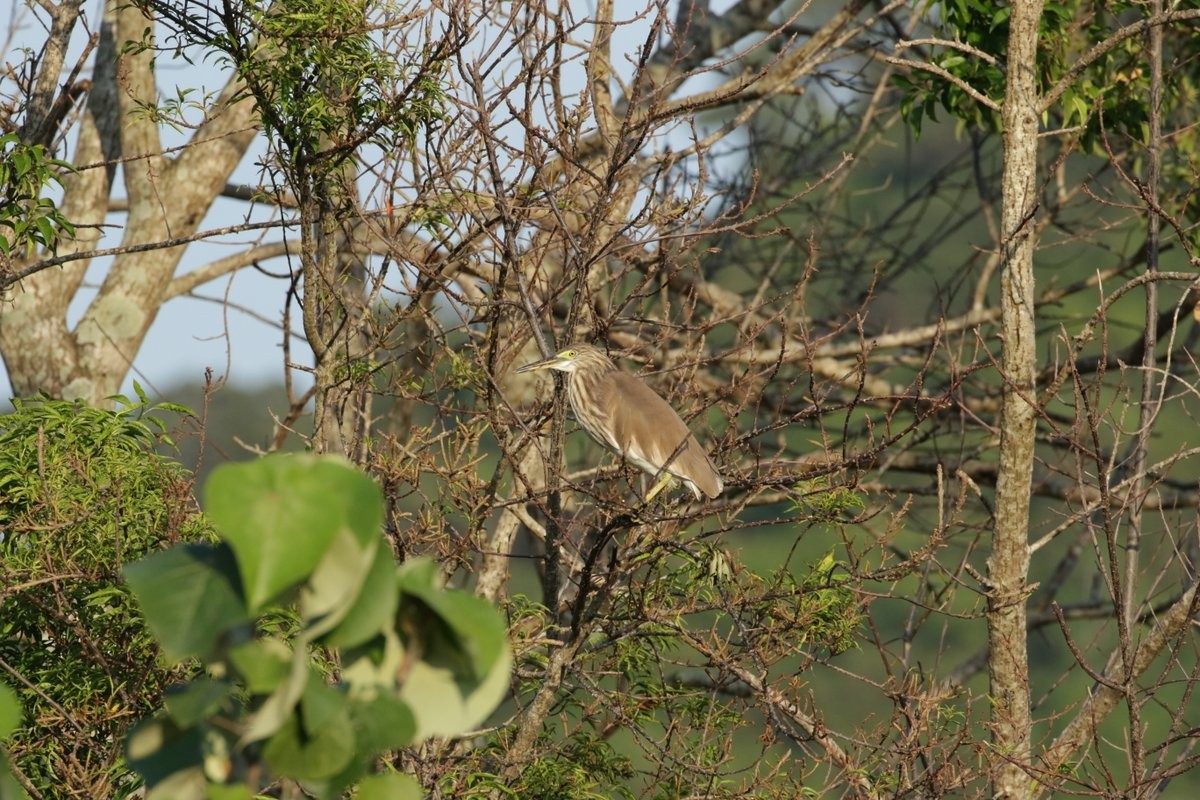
(658, 487)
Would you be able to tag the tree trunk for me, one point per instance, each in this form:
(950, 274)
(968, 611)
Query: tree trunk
(1008, 566)
(168, 198)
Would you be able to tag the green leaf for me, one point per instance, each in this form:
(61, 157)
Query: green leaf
(335, 585)
(375, 606)
(374, 663)
(189, 596)
(47, 235)
(10, 712)
(382, 721)
(237, 791)
(278, 708)
(262, 664)
(316, 744)
(477, 628)
(390, 786)
(445, 704)
(278, 517)
(168, 758)
(10, 789)
(196, 701)
(464, 660)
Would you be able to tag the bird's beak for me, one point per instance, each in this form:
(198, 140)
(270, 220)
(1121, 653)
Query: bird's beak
(545, 363)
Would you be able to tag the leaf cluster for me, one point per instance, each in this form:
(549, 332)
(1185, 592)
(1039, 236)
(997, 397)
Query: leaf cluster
(1107, 92)
(323, 83)
(300, 538)
(29, 218)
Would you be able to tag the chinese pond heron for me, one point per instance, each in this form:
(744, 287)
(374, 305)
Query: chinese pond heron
(625, 415)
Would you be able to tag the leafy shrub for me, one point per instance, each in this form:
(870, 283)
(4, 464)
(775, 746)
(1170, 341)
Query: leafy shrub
(81, 493)
(301, 538)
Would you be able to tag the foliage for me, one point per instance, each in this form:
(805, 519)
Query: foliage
(82, 492)
(321, 80)
(732, 204)
(300, 536)
(10, 718)
(31, 219)
(322, 83)
(1104, 94)
(658, 663)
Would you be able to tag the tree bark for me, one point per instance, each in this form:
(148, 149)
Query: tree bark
(168, 197)
(1008, 565)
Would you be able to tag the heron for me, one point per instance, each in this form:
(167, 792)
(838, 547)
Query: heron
(625, 415)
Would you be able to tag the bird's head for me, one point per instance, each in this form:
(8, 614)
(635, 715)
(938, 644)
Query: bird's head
(577, 356)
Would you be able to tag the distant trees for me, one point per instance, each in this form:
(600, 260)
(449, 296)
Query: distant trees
(946, 399)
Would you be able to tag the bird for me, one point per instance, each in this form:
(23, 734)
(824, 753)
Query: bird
(625, 415)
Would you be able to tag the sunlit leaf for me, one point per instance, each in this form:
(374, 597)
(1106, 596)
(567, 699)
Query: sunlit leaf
(262, 664)
(196, 701)
(277, 709)
(375, 606)
(168, 758)
(10, 712)
(477, 628)
(281, 515)
(319, 742)
(189, 597)
(390, 786)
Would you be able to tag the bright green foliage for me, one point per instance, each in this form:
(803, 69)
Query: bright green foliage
(826, 609)
(82, 492)
(817, 500)
(27, 218)
(583, 767)
(1113, 87)
(322, 82)
(301, 536)
(321, 79)
(10, 718)
(1101, 93)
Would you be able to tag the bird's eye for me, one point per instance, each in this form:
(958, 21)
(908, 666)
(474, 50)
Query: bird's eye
(569, 354)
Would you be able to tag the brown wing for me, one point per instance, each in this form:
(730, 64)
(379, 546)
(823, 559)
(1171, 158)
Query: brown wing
(649, 433)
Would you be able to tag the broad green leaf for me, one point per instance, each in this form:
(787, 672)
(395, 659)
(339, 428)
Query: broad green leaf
(10, 789)
(373, 664)
(277, 709)
(168, 758)
(335, 585)
(389, 786)
(476, 627)
(262, 664)
(321, 705)
(189, 596)
(306, 751)
(281, 514)
(181, 786)
(195, 701)
(382, 722)
(464, 660)
(10, 712)
(237, 791)
(445, 705)
(375, 606)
